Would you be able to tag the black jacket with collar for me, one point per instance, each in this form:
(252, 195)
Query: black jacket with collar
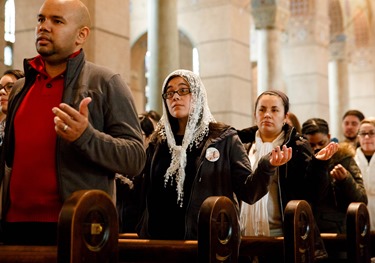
(302, 178)
(229, 176)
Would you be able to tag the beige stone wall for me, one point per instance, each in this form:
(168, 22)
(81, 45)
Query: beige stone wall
(24, 47)
(224, 56)
(220, 30)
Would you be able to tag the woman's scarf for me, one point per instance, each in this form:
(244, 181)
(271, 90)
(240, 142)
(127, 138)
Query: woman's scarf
(254, 218)
(195, 131)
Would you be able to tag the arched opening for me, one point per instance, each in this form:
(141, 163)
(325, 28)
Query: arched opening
(189, 59)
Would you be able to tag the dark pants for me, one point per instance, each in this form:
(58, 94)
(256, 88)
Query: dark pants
(30, 233)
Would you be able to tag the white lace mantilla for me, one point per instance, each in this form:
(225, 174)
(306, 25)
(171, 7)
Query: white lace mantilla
(196, 129)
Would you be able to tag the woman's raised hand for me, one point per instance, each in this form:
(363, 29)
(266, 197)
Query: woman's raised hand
(327, 152)
(280, 156)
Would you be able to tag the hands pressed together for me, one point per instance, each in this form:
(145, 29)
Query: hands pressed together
(70, 123)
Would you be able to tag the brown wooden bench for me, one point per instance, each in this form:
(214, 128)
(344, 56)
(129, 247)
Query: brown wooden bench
(359, 241)
(297, 243)
(218, 239)
(297, 247)
(359, 246)
(88, 232)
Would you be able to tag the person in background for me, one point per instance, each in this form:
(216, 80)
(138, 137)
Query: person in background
(346, 184)
(191, 157)
(6, 84)
(303, 177)
(155, 117)
(365, 158)
(350, 126)
(129, 193)
(293, 121)
(71, 125)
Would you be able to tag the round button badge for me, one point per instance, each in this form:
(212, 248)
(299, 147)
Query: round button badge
(212, 154)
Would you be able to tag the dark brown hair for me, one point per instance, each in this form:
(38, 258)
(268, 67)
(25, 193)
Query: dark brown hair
(278, 93)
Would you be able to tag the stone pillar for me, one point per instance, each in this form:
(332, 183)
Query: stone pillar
(162, 45)
(306, 64)
(109, 44)
(270, 20)
(2, 66)
(338, 85)
(361, 80)
(26, 21)
(220, 32)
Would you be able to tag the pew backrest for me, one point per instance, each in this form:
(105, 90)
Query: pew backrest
(358, 233)
(218, 231)
(88, 228)
(298, 232)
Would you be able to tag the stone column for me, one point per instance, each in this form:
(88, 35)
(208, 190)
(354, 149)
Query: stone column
(220, 32)
(306, 64)
(338, 85)
(2, 66)
(361, 80)
(109, 44)
(26, 21)
(270, 20)
(162, 45)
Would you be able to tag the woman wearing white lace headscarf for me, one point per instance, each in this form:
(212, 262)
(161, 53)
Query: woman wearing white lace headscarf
(192, 157)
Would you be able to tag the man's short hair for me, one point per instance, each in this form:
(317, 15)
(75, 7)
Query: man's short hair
(356, 113)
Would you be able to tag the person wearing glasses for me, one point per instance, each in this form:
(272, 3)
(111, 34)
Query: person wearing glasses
(346, 183)
(191, 157)
(6, 84)
(365, 158)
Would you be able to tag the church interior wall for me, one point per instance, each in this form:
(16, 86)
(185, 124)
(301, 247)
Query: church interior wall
(221, 32)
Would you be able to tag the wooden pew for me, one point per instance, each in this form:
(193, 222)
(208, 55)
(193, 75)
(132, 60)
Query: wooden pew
(88, 232)
(214, 247)
(297, 243)
(358, 239)
(218, 239)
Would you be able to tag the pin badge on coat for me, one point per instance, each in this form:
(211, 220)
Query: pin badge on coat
(212, 154)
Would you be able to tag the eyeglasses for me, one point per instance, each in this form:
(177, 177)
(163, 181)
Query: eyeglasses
(181, 92)
(7, 87)
(370, 134)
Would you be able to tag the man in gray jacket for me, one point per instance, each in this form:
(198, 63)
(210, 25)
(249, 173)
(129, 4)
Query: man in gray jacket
(71, 125)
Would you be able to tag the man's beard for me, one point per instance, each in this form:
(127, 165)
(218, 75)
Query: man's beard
(351, 138)
(44, 52)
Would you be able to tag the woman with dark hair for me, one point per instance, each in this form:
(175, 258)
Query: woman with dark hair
(301, 178)
(191, 157)
(147, 126)
(346, 183)
(293, 121)
(6, 84)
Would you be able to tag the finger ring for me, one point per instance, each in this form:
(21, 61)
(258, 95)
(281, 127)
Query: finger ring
(65, 127)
